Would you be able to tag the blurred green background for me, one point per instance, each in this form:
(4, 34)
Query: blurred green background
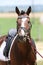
(36, 32)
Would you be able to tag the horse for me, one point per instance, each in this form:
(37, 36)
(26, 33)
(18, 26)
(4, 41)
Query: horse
(23, 49)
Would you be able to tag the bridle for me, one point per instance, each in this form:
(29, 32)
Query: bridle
(23, 28)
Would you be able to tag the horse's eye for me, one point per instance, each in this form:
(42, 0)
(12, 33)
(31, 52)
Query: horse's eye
(28, 22)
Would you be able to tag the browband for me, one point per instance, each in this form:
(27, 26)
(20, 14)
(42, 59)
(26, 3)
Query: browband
(19, 17)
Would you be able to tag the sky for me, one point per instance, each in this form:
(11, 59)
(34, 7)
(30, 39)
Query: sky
(20, 2)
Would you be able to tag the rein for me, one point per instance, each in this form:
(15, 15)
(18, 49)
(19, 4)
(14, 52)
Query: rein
(34, 48)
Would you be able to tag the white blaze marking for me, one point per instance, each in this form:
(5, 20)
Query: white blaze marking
(22, 32)
(22, 25)
(23, 21)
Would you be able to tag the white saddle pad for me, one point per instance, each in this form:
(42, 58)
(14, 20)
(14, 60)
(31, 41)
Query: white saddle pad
(2, 57)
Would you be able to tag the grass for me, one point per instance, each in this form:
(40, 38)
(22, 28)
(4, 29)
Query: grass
(8, 23)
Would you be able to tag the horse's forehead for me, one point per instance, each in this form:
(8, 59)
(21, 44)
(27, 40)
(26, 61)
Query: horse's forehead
(24, 19)
(23, 22)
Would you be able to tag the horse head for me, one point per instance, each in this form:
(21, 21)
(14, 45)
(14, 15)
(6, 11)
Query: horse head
(23, 22)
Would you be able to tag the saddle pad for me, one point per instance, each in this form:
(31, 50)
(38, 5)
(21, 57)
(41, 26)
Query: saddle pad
(2, 57)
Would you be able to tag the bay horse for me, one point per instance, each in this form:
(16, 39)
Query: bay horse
(22, 50)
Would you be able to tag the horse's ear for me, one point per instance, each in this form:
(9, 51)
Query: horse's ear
(17, 11)
(28, 10)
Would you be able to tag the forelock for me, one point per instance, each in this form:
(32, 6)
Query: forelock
(22, 12)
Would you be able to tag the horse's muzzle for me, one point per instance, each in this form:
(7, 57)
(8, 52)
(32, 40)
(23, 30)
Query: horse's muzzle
(23, 32)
